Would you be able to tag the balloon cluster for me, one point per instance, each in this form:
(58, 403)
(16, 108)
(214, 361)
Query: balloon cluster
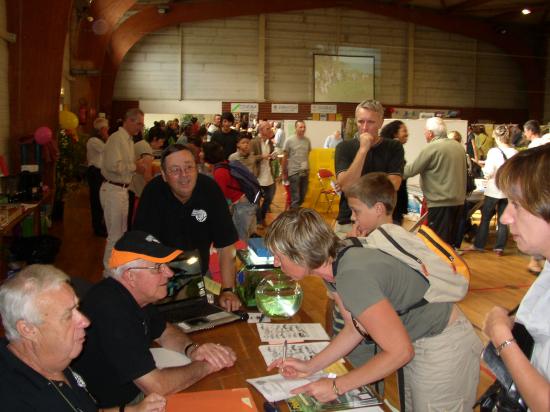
(67, 120)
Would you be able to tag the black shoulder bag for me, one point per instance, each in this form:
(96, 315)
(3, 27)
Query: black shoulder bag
(502, 395)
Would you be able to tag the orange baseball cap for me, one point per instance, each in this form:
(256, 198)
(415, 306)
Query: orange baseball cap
(136, 244)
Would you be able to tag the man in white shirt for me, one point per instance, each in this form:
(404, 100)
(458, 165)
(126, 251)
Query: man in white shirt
(531, 130)
(333, 140)
(119, 165)
(262, 149)
(214, 126)
(94, 155)
(279, 139)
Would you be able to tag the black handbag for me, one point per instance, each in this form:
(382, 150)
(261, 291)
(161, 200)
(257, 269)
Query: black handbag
(502, 395)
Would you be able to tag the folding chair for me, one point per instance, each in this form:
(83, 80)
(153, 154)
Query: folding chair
(326, 180)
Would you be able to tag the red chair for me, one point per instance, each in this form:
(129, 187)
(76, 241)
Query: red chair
(327, 182)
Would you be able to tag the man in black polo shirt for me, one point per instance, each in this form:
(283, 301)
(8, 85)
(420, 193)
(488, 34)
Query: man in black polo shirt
(187, 210)
(367, 152)
(116, 361)
(45, 332)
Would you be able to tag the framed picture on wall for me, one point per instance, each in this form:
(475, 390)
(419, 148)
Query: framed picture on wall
(347, 79)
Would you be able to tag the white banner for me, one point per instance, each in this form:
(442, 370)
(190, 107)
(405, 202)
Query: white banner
(244, 107)
(323, 108)
(284, 108)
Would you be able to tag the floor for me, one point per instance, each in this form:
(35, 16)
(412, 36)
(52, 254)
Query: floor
(495, 280)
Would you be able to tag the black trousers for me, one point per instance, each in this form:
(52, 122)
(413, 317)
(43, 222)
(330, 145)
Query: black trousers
(95, 179)
(445, 221)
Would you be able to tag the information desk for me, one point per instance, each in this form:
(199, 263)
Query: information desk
(243, 338)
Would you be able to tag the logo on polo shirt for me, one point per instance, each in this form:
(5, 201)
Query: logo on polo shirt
(199, 214)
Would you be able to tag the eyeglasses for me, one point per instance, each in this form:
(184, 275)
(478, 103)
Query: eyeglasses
(177, 170)
(158, 268)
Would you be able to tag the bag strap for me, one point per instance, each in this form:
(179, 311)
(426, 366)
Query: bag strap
(354, 243)
(503, 154)
(400, 248)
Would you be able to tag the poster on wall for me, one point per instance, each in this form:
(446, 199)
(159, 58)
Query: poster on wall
(343, 78)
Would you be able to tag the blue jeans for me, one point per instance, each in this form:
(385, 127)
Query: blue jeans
(298, 188)
(269, 193)
(244, 219)
(487, 213)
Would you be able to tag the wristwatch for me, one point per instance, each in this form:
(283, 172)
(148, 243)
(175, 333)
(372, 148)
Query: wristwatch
(232, 290)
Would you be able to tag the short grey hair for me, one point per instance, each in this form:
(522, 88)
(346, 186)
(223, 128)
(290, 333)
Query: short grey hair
(18, 295)
(100, 123)
(372, 105)
(116, 273)
(133, 113)
(437, 126)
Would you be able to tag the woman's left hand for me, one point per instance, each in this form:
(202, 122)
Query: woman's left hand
(498, 325)
(320, 390)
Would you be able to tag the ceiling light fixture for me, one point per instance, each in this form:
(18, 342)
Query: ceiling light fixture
(525, 12)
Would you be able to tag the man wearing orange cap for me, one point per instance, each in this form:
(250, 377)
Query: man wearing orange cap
(116, 361)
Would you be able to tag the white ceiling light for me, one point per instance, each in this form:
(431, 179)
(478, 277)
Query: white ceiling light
(525, 12)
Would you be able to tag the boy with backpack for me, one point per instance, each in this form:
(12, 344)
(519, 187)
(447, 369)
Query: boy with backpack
(379, 294)
(239, 186)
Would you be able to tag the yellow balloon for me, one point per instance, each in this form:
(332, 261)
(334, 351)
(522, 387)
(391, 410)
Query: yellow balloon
(68, 120)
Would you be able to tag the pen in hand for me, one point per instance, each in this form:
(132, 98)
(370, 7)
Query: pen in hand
(285, 347)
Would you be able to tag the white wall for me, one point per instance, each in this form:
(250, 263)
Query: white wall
(220, 61)
(4, 92)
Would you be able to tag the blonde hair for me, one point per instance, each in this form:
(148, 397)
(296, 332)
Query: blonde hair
(455, 135)
(303, 236)
(501, 133)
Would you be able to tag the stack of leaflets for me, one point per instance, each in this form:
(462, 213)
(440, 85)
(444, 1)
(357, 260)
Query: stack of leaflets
(356, 398)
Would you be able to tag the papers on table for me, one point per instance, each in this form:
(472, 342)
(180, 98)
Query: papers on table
(276, 388)
(302, 351)
(291, 332)
(165, 358)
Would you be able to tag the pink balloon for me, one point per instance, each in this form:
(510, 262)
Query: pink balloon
(43, 135)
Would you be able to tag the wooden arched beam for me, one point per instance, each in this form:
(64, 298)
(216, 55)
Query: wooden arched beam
(92, 41)
(519, 45)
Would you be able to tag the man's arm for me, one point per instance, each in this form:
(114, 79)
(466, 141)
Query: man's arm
(206, 359)
(228, 300)
(418, 165)
(170, 380)
(353, 172)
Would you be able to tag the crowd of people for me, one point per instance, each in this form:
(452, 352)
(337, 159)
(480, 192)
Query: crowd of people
(62, 354)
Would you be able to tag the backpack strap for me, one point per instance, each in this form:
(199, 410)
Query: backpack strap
(422, 301)
(354, 243)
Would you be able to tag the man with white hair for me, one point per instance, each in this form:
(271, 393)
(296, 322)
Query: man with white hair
(117, 168)
(116, 361)
(94, 155)
(45, 331)
(442, 168)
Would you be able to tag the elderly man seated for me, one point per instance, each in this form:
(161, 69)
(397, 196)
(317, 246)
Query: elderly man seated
(116, 361)
(45, 333)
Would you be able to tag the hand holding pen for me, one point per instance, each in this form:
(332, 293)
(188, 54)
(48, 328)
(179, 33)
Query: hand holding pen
(285, 348)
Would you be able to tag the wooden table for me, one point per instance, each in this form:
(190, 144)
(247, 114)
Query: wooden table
(30, 209)
(243, 338)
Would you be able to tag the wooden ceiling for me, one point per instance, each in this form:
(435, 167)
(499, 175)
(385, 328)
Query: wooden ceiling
(496, 12)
